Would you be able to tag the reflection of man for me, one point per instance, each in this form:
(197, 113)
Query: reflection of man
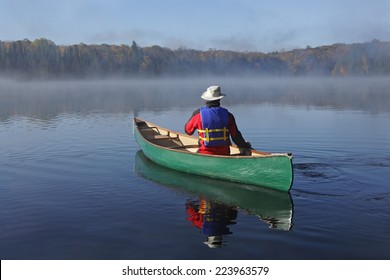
(212, 219)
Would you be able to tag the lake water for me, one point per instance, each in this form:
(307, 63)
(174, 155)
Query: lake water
(74, 185)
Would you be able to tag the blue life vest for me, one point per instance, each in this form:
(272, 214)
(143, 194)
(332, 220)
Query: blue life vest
(215, 123)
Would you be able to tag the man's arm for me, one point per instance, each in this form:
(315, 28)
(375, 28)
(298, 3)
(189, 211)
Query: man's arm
(192, 123)
(236, 134)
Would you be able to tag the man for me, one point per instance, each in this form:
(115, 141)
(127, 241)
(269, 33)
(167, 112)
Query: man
(215, 124)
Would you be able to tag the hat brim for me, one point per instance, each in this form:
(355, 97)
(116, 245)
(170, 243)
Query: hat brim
(205, 96)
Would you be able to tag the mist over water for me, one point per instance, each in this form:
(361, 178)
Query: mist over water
(49, 98)
(74, 185)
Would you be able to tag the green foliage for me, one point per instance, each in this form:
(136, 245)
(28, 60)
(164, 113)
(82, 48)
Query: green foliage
(42, 58)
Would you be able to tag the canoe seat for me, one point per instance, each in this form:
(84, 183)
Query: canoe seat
(184, 147)
(147, 127)
(162, 137)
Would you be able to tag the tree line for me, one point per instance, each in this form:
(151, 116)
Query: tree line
(42, 58)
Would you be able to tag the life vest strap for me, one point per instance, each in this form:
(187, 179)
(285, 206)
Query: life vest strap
(208, 131)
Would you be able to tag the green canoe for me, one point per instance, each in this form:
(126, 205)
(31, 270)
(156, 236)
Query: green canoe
(179, 151)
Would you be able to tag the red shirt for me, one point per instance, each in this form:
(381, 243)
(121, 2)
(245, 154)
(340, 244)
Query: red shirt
(195, 122)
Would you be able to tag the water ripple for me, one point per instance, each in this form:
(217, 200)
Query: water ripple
(318, 171)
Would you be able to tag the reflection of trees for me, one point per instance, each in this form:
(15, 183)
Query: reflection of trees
(46, 100)
(370, 94)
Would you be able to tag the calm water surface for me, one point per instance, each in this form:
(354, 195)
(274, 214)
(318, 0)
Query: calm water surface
(74, 185)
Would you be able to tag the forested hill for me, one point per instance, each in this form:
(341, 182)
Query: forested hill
(42, 58)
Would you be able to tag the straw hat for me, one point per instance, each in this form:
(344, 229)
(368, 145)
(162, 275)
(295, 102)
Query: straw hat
(212, 93)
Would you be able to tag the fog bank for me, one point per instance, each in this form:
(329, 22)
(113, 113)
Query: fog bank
(47, 99)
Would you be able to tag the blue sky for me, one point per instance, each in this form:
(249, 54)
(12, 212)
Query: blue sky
(244, 25)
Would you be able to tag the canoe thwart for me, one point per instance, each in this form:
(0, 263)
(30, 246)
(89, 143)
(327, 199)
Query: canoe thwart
(162, 137)
(184, 147)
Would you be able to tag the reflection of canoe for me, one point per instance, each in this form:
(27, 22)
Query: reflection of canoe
(178, 151)
(273, 207)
